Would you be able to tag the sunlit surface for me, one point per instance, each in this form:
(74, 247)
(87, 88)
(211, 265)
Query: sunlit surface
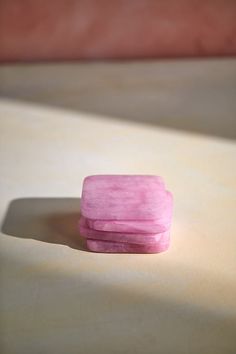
(63, 299)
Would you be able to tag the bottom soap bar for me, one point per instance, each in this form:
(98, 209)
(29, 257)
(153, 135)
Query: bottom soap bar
(120, 247)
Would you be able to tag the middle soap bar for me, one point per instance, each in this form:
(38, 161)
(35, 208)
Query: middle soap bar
(138, 238)
(142, 227)
(123, 197)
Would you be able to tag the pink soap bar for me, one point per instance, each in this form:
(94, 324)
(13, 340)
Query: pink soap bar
(118, 247)
(141, 227)
(87, 232)
(161, 224)
(123, 197)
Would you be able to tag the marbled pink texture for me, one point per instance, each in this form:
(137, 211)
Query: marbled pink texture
(120, 247)
(136, 238)
(160, 224)
(126, 214)
(123, 197)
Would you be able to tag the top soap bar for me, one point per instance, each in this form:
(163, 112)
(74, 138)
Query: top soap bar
(123, 197)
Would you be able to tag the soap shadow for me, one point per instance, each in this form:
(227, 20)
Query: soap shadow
(52, 220)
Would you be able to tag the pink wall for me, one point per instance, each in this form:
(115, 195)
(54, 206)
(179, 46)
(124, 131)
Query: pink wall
(70, 29)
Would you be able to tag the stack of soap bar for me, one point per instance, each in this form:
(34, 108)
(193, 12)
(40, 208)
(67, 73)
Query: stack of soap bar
(126, 213)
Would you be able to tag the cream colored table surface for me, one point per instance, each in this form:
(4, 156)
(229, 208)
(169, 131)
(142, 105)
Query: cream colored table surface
(60, 299)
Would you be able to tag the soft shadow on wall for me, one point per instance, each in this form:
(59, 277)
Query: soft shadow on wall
(190, 95)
